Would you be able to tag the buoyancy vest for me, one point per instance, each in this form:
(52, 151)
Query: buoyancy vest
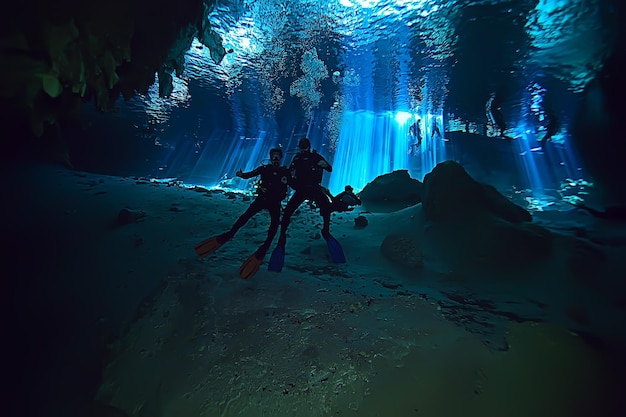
(273, 181)
(305, 171)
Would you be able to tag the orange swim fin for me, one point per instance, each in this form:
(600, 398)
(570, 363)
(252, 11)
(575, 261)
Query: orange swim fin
(250, 266)
(207, 247)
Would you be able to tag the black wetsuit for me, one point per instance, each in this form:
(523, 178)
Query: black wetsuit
(344, 201)
(272, 189)
(306, 179)
(415, 131)
(617, 213)
(498, 118)
(551, 129)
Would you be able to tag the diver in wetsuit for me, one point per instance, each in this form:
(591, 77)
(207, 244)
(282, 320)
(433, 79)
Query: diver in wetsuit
(415, 132)
(498, 117)
(614, 213)
(551, 129)
(344, 201)
(306, 169)
(494, 113)
(271, 190)
(435, 130)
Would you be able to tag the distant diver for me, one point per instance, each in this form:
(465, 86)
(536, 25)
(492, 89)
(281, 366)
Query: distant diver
(499, 119)
(613, 213)
(494, 113)
(551, 128)
(435, 130)
(415, 132)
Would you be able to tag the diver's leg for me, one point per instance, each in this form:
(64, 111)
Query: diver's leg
(321, 200)
(254, 208)
(274, 210)
(296, 199)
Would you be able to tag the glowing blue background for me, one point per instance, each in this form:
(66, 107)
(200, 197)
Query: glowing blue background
(342, 71)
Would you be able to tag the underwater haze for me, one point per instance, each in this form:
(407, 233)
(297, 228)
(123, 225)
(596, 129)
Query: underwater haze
(478, 271)
(354, 75)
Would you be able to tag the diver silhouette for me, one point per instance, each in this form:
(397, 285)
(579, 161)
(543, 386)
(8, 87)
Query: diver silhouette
(551, 128)
(494, 113)
(271, 191)
(344, 201)
(415, 133)
(306, 169)
(306, 176)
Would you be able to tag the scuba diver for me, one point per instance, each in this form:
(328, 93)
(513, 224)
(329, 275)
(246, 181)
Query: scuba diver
(435, 130)
(415, 132)
(611, 213)
(344, 201)
(494, 113)
(306, 168)
(551, 128)
(271, 190)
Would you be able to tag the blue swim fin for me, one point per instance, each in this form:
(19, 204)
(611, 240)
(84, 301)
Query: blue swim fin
(277, 259)
(336, 251)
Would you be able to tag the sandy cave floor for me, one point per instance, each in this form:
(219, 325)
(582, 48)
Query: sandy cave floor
(367, 338)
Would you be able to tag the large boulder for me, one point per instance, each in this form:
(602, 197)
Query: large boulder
(449, 193)
(392, 192)
(463, 226)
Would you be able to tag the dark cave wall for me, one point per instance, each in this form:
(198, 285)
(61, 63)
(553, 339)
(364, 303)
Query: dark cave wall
(58, 55)
(598, 129)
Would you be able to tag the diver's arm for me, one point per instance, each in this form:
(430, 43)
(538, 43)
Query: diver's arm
(324, 164)
(248, 175)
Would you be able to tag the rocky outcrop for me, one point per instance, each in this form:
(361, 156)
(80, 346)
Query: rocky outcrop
(58, 54)
(394, 191)
(449, 193)
(464, 225)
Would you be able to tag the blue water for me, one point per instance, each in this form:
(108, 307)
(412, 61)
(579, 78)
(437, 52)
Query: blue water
(345, 72)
